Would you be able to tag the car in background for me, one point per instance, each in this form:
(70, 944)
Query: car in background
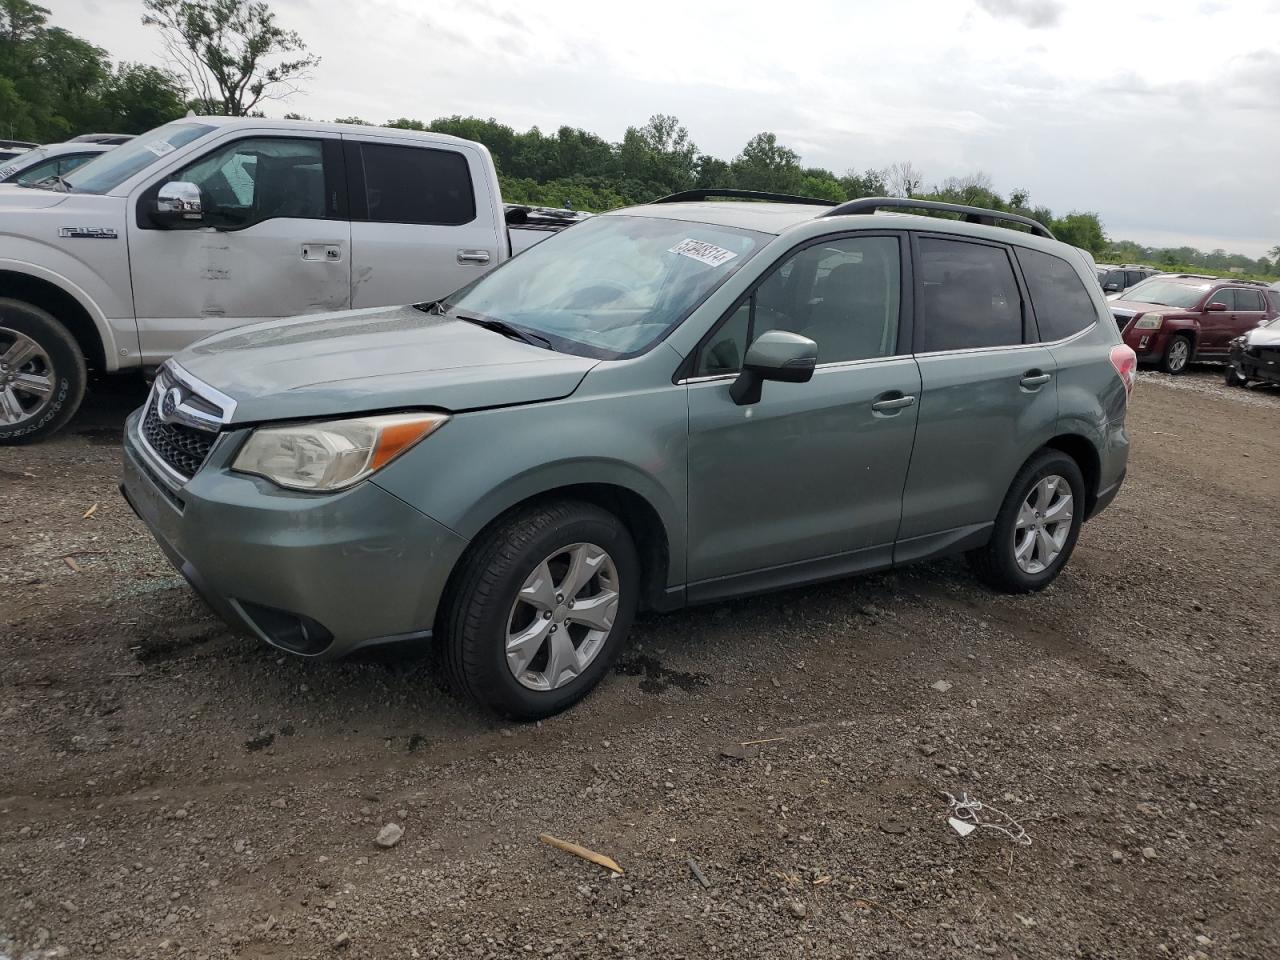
(52, 160)
(1255, 356)
(1116, 279)
(1174, 318)
(112, 139)
(11, 148)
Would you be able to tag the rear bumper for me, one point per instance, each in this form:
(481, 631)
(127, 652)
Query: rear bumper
(318, 576)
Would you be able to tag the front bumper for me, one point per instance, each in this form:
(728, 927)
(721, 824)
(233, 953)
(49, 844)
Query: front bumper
(318, 576)
(1147, 344)
(1259, 363)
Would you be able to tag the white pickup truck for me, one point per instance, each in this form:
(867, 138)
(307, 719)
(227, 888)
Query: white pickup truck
(212, 222)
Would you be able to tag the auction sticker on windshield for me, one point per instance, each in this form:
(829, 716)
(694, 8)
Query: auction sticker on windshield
(160, 147)
(703, 252)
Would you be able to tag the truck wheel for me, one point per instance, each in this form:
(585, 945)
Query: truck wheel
(540, 609)
(42, 373)
(1036, 528)
(1234, 377)
(1176, 355)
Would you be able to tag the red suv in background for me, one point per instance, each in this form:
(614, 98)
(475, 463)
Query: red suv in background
(1175, 318)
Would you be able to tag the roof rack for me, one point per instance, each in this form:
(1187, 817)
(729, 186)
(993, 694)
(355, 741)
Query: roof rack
(966, 213)
(693, 196)
(1194, 276)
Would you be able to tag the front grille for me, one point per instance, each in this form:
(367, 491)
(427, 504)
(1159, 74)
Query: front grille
(181, 447)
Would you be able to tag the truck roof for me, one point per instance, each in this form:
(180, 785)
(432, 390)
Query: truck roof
(321, 126)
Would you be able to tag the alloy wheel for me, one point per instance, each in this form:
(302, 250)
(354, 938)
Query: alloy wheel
(562, 616)
(1179, 354)
(26, 377)
(1044, 523)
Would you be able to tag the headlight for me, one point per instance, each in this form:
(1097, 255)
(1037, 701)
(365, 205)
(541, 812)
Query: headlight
(335, 454)
(1149, 321)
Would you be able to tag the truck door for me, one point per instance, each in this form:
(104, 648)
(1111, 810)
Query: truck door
(271, 240)
(423, 218)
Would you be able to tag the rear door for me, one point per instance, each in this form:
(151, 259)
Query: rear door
(1251, 310)
(422, 219)
(272, 241)
(988, 391)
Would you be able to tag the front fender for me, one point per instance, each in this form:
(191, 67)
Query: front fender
(117, 335)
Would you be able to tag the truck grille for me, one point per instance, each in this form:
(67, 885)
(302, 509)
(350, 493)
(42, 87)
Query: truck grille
(182, 448)
(181, 422)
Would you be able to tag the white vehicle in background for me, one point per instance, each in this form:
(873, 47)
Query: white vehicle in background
(51, 160)
(214, 222)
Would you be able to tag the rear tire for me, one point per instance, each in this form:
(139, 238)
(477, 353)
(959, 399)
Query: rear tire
(42, 373)
(1002, 563)
(522, 579)
(1177, 354)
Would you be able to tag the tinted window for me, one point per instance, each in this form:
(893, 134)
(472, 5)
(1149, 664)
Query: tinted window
(1061, 303)
(258, 179)
(417, 185)
(1248, 300)
(1133, 276)
(1273, 300)
(842, 294)
(1116, 279)
(970, 296)
(1225, 296)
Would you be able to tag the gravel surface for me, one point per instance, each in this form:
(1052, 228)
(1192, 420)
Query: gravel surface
(168, 789)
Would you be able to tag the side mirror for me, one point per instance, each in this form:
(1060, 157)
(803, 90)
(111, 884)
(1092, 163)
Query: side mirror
(1216, 307)
(775, 355)
(1111, 287)
(178, 202)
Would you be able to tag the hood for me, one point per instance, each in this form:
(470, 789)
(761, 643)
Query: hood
(385, 358)
(14, 197)
(1264, 336)
(1131, 308)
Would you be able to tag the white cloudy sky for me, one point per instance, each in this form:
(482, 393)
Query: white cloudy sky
(1161, 115)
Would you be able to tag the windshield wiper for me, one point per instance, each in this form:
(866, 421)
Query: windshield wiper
(506, 329)
(54, 182)
(433, 307)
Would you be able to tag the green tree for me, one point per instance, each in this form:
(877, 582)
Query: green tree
(1081, 230)
(137, 97)
(233, 51)
(764, 164)
(659, 155)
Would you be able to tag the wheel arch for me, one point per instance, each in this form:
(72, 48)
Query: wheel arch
(1083, 451)
(68, 304)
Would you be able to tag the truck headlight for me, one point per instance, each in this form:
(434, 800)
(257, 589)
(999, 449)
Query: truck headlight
(334, 454)
(1149, 321)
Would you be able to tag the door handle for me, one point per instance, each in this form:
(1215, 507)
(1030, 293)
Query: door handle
(1033, 379)
(473, 256)
(893, 404)
(322, 252)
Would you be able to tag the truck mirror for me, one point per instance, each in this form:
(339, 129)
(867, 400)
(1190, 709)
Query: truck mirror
(178, 202)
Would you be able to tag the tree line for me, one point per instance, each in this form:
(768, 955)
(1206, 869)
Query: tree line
(230, 57)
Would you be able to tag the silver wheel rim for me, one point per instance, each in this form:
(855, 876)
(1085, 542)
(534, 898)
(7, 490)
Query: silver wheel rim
(1044, 523)
(26, 377)
(562, 617)
(1178, 354)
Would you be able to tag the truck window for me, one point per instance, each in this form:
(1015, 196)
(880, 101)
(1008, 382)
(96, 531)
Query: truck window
(417, 185)
(260, 178)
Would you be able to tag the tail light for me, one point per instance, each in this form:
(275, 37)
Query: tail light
(1126, 363)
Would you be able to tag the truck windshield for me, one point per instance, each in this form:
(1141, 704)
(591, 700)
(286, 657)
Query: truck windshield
(114, 167)
(612, 286)
(1167, 293)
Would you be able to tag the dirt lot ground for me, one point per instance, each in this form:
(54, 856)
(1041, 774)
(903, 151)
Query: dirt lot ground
(170, 790)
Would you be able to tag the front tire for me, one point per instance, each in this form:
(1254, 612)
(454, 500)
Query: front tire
(42, 373)
(1177, 354)
(1037, 526)
(540, 609)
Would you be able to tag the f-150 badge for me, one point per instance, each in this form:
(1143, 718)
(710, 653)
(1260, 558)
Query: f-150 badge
(88, 233)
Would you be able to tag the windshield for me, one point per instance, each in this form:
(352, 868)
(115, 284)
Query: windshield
(1168, 293)
(23, 160)
(610, 287)
(114, 167)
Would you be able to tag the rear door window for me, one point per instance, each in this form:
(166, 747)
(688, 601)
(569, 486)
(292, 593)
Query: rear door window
(1061, 303)
(969, 296)
(1133, 276)
(1249, 300)
(417, 185)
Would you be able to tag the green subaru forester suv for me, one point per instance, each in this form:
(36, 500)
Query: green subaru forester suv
(686, 401)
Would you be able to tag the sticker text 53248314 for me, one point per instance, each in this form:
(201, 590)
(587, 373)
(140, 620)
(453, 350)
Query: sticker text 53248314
(703, 252)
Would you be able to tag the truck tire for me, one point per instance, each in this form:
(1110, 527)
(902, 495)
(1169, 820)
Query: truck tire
(1037, 526)
(42, 373)
(1177, 354)
(511, 636)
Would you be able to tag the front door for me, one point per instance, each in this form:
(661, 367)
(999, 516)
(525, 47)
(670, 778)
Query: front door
(270, 243)
(988, 392)
(807, 482)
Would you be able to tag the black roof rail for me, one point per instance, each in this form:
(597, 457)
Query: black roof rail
(968, 214)
(693, 196)
(1255, 283)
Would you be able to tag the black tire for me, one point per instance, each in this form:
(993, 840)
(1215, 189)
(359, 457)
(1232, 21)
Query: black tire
(1234, 377)
(476, 613)
(65, 366)
(995, 563)
(1171, 361)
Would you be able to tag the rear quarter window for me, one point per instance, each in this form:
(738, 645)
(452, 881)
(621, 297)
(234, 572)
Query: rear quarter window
(1061, 303)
